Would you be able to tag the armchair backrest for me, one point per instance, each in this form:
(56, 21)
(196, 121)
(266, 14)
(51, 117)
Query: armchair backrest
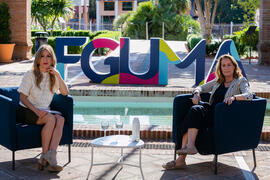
(12, 93)
(238, 126)
(9, 100)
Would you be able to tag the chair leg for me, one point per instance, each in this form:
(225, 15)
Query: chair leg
(216, 163)
(254, 158)
(13, 160)
(69, 153)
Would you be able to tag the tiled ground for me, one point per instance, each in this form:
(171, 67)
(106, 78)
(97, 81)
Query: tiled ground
(199, 167)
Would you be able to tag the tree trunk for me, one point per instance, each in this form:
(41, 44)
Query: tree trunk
(206, 18)
(52, 25)
(85, 15)
(201, 15)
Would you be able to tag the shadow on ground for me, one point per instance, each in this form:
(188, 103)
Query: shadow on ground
(205, 170)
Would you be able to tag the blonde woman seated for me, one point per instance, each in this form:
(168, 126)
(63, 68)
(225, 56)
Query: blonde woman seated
(36, 93)
(229, 86)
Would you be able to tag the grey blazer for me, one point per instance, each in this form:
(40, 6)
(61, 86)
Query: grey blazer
(238, 86)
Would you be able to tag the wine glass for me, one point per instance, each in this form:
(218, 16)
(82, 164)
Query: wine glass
(119, 125)
(104, 126)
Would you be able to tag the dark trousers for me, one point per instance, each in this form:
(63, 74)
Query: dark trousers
(199, 116)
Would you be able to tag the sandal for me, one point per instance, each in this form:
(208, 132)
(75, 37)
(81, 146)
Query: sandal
(172, 165)
(187, 150)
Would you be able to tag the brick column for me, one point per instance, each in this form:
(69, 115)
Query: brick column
(264, 37)
(20, 26)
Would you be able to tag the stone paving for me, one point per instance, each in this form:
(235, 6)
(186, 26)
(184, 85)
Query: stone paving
(199, 167)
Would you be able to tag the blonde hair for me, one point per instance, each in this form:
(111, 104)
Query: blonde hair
(36, 65)
(237, 71)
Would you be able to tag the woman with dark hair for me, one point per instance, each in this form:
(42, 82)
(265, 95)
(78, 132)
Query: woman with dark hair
(228, 86)
(36, 92)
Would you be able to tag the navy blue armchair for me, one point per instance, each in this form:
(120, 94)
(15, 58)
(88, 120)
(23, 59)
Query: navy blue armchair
(16, 136)
(236, 127)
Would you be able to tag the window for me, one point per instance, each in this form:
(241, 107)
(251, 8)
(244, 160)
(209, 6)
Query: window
(108, 6)
(108, 19)
(127, 6)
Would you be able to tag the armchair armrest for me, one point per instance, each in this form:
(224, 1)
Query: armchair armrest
(238, 126)
(7, 122)
(181, 106)
(64, 104)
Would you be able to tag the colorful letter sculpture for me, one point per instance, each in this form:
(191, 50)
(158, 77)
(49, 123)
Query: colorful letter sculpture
(120, 72)
(62, 54)
(227, 47)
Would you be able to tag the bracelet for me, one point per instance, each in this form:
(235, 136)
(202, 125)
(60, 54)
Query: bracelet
(195, 92)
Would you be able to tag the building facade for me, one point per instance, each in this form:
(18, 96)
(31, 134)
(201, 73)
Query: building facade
(108, 10)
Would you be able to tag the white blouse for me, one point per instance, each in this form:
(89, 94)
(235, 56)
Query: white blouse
(41, 97)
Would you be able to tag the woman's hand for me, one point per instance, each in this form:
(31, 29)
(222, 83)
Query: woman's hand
(53, 71)
(229, 100)
(195, 99)
(41, 113)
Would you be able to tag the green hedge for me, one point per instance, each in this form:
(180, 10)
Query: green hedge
(66, 33)
(194, 39)
(241, 43)
(77, 49)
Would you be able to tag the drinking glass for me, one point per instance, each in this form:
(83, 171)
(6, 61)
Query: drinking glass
(104, 126)
(119, 125)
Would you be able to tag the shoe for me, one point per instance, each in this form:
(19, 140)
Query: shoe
(50, 157)
(187, 150)
(172, 165)
(54, 168)
(42, 163)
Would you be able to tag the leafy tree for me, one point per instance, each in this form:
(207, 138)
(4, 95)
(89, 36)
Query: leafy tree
(180, 5)
(229, 11)
(250, 7)
(206, 13)
(175, 25)
(4, 23)
(120, 22)
(46, 12)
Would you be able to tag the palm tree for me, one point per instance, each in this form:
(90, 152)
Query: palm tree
(60, 8)
(46, 12)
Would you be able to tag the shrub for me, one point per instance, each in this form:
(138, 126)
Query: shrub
(176, 26)
(4, 23)
(245, 39)
(193, 40)
(212, 48)
(241, 48)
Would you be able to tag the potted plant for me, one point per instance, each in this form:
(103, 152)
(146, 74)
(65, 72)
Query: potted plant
(6, 47)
